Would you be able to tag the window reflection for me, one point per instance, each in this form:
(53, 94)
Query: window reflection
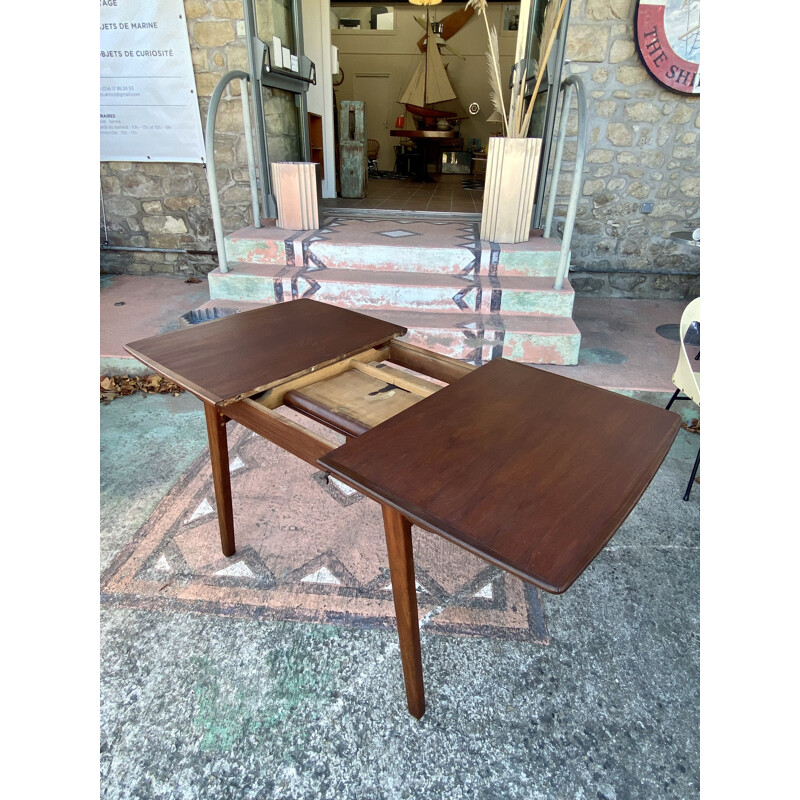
(274, 18)
(362, 18)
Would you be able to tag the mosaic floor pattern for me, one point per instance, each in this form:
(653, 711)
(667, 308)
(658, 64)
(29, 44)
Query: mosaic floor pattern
(309, 549)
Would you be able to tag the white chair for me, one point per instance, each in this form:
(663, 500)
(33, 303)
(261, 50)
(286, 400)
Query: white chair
(685, 378)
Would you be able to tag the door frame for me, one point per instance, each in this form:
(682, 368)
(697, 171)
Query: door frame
(550, 88)
(362, 74)
(262, 75)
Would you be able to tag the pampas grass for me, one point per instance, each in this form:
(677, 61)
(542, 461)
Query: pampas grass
(514, 105)
(493, 69)
(492, 63)
(516, 123)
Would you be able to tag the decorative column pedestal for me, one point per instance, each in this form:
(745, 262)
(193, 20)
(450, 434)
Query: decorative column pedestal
(510, 188)
(296, 185)
(352, 148)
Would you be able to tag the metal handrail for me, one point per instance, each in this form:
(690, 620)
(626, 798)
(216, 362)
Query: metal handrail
(580, 155)
(211, 172)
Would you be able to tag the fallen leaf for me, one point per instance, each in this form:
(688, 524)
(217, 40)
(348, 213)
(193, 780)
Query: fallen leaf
(693, 426)
(113, 386)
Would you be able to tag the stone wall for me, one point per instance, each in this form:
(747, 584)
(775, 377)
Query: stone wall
(643, 145)
(166, 207)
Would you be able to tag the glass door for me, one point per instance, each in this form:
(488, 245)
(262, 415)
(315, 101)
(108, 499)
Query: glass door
(544, 114)
(280, 75)
(282, 126)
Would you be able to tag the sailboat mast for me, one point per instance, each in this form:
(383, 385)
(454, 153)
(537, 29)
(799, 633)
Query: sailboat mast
(429, 84)
(427, 45)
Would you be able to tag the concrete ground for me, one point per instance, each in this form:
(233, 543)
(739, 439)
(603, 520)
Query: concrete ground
(203, 698)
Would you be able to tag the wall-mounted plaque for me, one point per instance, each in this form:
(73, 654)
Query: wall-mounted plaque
(668, 40)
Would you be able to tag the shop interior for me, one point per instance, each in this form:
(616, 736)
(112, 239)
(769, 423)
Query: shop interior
(412, 122)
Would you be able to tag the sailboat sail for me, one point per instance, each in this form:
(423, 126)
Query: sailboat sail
(429, 84)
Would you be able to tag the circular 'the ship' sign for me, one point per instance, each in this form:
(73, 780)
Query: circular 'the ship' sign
(668, 40)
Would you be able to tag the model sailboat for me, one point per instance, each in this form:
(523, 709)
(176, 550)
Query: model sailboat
(430, 88)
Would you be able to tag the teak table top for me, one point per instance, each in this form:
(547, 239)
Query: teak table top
(243, 354)
(530, 470)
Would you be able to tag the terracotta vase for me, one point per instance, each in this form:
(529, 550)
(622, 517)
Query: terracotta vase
(510, 188)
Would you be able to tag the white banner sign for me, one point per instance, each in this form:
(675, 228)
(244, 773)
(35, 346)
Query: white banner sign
(148, 98)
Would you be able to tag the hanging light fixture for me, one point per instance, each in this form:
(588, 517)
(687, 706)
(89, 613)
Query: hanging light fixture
(437, 28)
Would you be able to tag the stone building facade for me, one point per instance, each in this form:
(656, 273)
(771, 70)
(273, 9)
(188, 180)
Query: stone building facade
(642, 147)
(162, 212)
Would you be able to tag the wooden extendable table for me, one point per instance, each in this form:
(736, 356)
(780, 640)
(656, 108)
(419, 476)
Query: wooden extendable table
(529, 470)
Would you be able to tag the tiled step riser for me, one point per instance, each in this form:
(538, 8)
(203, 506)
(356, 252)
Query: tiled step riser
(449, 261)
(532, 265)
(532, 348)
(258, 251)
(249, 288)
(535, 349)
(442, 261)
(479, 297)
(303, 251)
(534, 340)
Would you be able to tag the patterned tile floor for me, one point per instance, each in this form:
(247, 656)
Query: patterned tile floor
(443, 193)
(307, 549)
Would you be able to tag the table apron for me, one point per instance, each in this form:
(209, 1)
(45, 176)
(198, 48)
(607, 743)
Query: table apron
(286, 434)
(427, 362)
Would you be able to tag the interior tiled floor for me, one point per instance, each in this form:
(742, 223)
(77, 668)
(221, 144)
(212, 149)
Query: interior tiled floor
(442, 193)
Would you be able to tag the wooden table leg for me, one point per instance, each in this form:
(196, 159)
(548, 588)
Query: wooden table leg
(220, 469)
(401, 566)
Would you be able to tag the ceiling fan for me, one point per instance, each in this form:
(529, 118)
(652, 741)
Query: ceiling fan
(451, 24)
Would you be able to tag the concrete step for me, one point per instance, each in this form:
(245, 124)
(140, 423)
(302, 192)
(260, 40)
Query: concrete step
(479, 338)
(266, 245)
(447, 247)
(366, 290)
(468, 336)
(456, 294)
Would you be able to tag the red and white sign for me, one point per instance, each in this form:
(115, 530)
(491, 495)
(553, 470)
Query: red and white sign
(667, 34)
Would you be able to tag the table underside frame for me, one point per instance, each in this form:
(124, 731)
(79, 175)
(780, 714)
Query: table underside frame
(259, 414)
